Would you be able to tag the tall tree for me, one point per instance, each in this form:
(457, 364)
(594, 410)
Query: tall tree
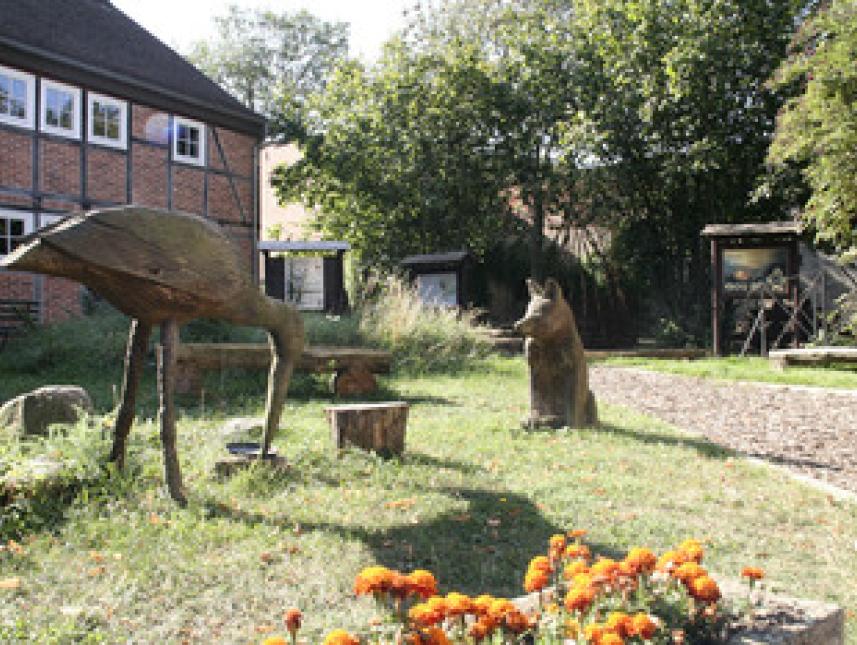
(676, 93)
(400, 159)
(817, 128)
(273, 62)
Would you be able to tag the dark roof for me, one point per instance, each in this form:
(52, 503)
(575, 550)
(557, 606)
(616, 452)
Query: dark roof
(91, 43)
(753, 230)
(436, 258)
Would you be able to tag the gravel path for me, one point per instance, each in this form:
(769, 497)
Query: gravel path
(812, 431)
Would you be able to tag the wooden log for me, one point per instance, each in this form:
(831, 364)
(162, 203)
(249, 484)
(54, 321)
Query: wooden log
(378, 427)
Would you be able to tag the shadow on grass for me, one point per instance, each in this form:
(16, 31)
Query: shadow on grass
(701, 445)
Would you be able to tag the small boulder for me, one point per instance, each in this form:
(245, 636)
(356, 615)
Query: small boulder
(32, 413)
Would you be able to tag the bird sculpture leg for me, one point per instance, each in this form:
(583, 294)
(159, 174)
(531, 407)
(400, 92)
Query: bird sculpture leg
(166, 383)
(135, 356)
(283, 350)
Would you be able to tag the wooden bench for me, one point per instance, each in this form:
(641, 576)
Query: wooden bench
(354, 368)
(782, 358)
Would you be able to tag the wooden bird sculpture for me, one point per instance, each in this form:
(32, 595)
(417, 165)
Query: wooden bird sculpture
(166, 268)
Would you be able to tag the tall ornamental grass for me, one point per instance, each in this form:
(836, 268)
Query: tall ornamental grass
(421, 337)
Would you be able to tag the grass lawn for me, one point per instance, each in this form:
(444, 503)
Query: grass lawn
(733, 368)
(472, 500)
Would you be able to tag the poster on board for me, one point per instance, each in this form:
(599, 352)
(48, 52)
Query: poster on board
(756, 271)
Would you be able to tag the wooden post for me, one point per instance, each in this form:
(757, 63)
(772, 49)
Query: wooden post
(379, 427)
(166, 382)
(135, 356)
(716, 304)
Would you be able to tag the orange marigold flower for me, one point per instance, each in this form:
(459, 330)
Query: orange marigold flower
(670, 560)
(577, 551)
(457, 604)
(574, 568)
(535, 580)
(275, 640)
(499, 608)
(373, 580)
(421, 583)
(480, 629)
(604, 568)
(292, 618)
(428, 613)
(557, 542)
(704, 589)
(540, 563)
(579, 598)
(641, 560)
(753, 573)
(688, 571)
(643, 625)
(517, 622)
(481, 604)
(620, 623)
(435, 636)
(692, 550)
(577, 533)
(611, 638)
(340, 637)
(593, 632)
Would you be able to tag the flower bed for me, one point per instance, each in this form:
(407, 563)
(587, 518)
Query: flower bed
(574, 598)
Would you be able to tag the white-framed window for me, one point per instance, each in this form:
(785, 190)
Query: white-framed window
(17, 97)
(60, 109)
(14, 225)
(188, 141)
(107, 121)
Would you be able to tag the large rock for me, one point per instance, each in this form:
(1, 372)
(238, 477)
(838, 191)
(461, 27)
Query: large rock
(32, 413)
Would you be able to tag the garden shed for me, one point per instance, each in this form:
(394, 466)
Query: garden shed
(442, 278)
(309, 274)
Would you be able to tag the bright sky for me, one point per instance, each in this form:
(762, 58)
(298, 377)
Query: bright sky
(180, 22)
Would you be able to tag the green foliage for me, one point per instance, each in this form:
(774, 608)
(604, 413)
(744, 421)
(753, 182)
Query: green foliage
(817, 128)
(88, 343)
(400, 159)
(422, 338)
(273, 61)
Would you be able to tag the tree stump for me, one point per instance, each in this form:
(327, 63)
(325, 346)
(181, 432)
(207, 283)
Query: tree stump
(378, 427)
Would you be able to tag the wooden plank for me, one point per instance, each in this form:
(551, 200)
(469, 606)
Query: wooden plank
(207, 356)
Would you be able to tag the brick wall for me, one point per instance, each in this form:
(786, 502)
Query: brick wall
(237, 148)
(16, 169)
(106, 172)
(149, 180)
(188, 192)
(61, 299)
(221, 200)
(16, 286)
(59, 167)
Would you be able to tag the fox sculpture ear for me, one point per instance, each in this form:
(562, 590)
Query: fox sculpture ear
(552, 289)
(534, 288)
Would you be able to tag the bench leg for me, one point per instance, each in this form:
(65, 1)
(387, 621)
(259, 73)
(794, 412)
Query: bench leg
(353, 382)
